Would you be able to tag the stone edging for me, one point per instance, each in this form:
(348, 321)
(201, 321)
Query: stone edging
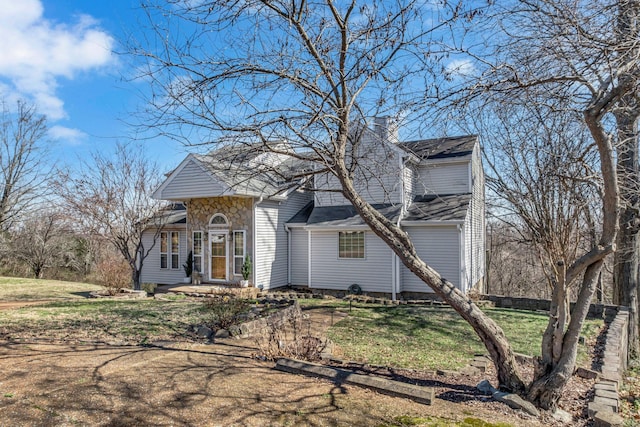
(606, 402)
(416, 393)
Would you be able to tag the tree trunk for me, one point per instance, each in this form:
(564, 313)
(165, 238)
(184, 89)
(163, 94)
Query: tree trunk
(550, 379)
(490, 333)
(135, 278)
(626, 115)
(625, 272)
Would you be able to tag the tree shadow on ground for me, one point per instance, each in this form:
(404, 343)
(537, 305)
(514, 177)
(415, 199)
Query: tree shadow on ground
(132, 385)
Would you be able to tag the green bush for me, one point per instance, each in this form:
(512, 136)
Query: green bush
(226, 311)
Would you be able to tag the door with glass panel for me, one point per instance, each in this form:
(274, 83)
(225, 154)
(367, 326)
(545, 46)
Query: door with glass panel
(218, 265)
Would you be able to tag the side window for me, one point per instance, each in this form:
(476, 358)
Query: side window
(197, 251)
(239, 250)
(175, 249)
(351, 244)
(163, 249)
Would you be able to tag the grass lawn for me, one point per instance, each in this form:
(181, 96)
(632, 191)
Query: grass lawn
(133, 321)
(18, 289)
(422, 337)
(417, 337)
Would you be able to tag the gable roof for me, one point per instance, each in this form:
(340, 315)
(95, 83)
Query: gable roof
(440, 148)
(231, 171)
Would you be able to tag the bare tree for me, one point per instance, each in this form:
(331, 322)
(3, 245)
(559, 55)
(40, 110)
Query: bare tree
(309, 73)
(513, 266)
(111, 200)
(23, 152)
(543, 172)
(42, 242)
(568, 57)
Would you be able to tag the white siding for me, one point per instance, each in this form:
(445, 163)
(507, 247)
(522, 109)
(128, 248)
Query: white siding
(442, 178)
(373, 273)
(271, 263)
(377, 177)
(190, 182)
(477, 223)
(151, 271)
(327, 198)
(408, 181)
(437, 246)
(299, 256)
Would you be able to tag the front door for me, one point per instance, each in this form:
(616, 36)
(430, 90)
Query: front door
(218, 266)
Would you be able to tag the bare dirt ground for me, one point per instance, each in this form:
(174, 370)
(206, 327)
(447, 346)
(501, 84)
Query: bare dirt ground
(52, 383)
(190, 385)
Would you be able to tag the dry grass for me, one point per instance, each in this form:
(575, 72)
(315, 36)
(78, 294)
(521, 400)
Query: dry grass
(19, 289)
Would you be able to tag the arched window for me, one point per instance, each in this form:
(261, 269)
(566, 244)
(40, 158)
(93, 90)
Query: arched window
(218, 220)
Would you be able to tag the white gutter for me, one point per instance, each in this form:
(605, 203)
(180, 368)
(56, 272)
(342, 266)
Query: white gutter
(447, 223)
(337, 227)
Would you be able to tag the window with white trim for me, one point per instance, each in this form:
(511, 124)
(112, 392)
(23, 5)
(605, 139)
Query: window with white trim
(239, 250)
(218, 220)
(163, 249)
(197, 251)
(175, 249)
(351, 244)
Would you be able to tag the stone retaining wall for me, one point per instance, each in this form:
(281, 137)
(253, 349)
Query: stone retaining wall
(606, 401)
(595, 310)
(249, 329)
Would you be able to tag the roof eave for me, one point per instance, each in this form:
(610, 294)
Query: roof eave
(432, 222)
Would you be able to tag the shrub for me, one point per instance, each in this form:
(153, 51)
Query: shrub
(113, 274)
(149, 288)
(290, 337)
(226, 311)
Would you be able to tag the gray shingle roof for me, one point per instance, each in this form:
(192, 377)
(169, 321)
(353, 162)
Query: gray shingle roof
(451, 207)
(346, 215)
(252, 180)
(175, 213)
(439, 148)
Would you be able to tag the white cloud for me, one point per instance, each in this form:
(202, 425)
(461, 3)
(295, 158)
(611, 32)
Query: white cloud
(67, 135)
(35, 52)
(460, 68)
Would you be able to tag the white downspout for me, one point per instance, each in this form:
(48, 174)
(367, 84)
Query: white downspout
(255, 242)
(309, 258)
(286, 228)
(395, 282)
(462, 257)
(394, 276)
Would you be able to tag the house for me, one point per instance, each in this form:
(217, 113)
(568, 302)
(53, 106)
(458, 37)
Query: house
(239, 201)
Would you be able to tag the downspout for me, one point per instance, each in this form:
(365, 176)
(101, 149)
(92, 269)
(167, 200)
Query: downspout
(472, 213)
(394, 266)
(286, 228)
(395, 282)
(462, 257)
(255, 242)
(309, 258)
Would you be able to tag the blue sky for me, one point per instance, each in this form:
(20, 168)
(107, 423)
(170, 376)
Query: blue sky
(66, 57)
(63, 56)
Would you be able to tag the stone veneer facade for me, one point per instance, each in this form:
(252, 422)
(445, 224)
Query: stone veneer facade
(239, 214)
